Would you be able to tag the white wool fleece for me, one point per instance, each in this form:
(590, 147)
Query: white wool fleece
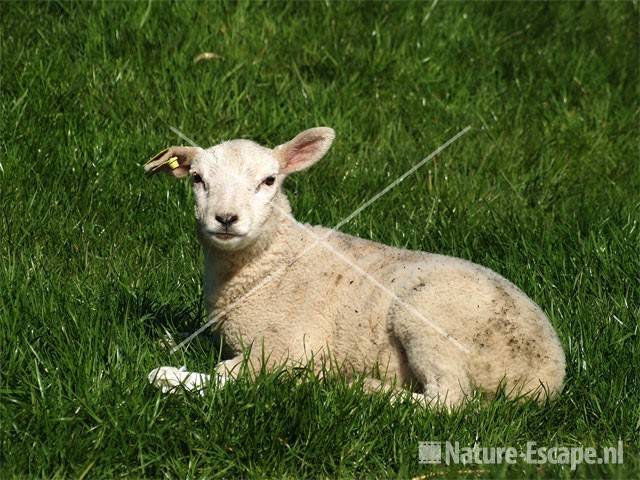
(440, 326)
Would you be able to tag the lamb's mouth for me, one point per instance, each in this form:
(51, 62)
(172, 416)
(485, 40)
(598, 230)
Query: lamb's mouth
(221, 235)
(226, 235)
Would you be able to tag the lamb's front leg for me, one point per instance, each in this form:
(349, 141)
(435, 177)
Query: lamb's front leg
(228, 370)
(170, 379)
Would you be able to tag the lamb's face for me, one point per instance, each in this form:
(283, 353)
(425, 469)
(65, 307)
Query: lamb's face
(234, 185)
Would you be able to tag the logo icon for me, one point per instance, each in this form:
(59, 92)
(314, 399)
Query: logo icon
(430, 452)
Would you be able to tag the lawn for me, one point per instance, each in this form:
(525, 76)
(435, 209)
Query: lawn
(97, 261)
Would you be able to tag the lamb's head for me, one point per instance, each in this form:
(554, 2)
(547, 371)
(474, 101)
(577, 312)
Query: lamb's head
(237, 184)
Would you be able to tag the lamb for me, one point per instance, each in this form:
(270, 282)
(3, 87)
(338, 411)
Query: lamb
(439, 326)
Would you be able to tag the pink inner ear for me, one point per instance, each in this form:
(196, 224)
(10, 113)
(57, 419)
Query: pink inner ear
(300, 152)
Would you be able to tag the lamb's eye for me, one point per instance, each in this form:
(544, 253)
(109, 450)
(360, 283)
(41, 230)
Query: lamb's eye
(196, 178)
(269, 181)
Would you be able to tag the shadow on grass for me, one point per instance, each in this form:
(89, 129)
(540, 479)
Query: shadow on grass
(169, 323)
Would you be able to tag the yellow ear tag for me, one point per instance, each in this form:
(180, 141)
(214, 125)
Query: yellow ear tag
(173, 163)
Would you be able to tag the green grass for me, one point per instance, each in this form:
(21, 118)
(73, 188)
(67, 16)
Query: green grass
(96, 261)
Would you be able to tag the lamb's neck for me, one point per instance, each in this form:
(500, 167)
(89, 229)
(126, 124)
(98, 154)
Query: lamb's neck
(230, 275)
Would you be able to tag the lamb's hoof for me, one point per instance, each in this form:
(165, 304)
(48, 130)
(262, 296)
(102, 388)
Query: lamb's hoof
(170, 379)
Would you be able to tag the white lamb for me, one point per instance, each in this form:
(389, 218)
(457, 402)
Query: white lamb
(438, 325)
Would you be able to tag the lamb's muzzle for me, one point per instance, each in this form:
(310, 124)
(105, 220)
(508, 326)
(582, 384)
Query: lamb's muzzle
(397, 315)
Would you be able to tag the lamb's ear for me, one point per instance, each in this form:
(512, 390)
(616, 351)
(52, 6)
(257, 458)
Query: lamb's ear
(305, 149)
(173, 160)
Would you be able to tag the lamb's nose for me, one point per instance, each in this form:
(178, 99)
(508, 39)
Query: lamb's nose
(227, 219)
